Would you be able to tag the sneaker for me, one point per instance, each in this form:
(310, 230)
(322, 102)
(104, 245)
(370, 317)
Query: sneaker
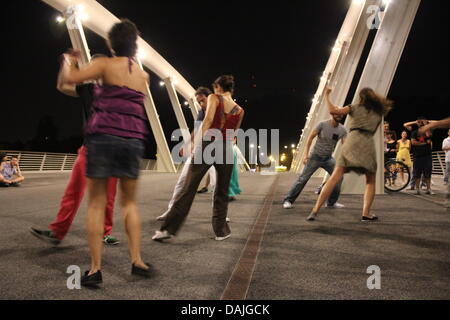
(337, 205)
(227, 219)
(110, 240)
(287, 205)
(93, 280)
(203, 190)
(430, 192)
(14, 184)
(161, 235)
(45, 235)
(223, 238)
(312, 216)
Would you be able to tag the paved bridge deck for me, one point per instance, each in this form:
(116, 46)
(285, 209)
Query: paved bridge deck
(326, 259)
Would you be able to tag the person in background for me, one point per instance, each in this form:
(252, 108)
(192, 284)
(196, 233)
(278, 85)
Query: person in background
(74, 193)
(446, 149)
(328, 133)
(391, 153)
(423, 161)
(412, 126)
(10, 174)
(445, 123)
(404, 152)
(234, 189)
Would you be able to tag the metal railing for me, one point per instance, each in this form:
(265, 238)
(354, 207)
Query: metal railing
(439, 163)
(48, 162)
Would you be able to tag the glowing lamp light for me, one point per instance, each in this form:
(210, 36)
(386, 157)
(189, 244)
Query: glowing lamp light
(161, 83)
(186, 103)
(59, 19)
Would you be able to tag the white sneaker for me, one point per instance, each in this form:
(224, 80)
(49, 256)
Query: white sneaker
(287, 205)
(161, 235)
(430, 192)
(337, 205)
(223, 238)
(227, 219)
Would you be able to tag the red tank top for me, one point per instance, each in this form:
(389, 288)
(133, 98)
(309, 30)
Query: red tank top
(223, 121)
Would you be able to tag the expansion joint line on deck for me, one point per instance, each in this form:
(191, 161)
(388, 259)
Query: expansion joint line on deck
(239, 282)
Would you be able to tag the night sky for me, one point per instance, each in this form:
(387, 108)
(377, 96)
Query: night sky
(278, 53)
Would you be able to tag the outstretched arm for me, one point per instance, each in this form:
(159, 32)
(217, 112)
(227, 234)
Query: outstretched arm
(443, 124)
(71, 75)
(332, 108)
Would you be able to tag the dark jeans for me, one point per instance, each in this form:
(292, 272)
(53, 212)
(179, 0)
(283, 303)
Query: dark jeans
(314, 163)
(183, 201)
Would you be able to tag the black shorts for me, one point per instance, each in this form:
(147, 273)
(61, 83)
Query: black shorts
(112, 156)
(423, 166)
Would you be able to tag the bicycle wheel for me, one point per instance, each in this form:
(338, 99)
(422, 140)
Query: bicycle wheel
(396, 176)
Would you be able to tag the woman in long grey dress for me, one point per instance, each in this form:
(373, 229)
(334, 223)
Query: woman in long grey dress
(358, 151)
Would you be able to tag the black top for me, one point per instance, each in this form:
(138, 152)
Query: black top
(421, 151)
(86, 92)
(391, 153)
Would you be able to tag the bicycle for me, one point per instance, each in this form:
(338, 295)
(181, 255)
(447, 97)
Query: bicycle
(394, 168)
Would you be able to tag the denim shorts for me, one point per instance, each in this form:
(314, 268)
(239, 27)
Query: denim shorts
(112, 156)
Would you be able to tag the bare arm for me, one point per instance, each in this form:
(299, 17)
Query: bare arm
(311, 137)
(332, 108)
(408, 125)
(64, 87)
(93, 71)
(444, 123)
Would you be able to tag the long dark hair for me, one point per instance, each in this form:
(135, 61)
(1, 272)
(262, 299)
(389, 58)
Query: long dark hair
(374, 102)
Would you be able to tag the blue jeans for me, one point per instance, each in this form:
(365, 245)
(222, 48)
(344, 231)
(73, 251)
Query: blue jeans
(314, 163)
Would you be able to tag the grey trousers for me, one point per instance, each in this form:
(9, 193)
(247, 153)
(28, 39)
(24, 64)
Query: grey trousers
(184, 199)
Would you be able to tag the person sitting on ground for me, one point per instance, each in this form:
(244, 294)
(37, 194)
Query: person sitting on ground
(10, 174)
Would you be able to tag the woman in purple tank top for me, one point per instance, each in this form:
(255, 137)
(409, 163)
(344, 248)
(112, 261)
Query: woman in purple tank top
(114, 140)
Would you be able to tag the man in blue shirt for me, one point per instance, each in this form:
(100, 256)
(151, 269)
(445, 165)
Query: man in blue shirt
(10, 174)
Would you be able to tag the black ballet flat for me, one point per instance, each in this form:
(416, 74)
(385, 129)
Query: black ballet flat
(137, 271)
(367, 219)
(91, 280)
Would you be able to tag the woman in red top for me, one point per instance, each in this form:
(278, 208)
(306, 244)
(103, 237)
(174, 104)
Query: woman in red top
(223, 117)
